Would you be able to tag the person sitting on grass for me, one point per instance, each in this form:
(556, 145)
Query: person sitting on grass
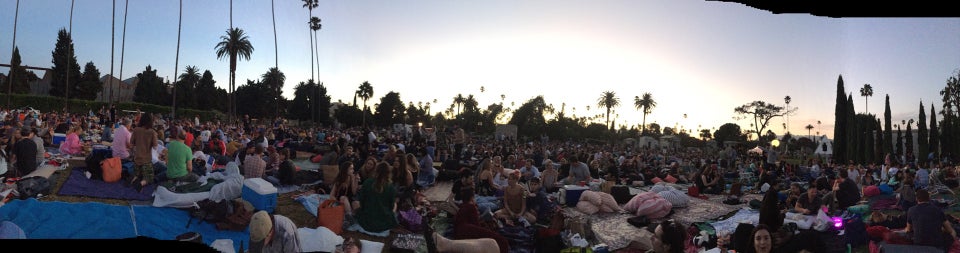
(514, 203)
(466, 224)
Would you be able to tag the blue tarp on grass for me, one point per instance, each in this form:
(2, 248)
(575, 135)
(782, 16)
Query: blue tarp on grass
(94, 220)
(62, 220)
(166, 223)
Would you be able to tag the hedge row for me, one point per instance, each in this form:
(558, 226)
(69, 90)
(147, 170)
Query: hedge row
(49, 103)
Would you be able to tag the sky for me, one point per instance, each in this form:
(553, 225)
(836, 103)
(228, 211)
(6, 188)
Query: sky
(697, 58)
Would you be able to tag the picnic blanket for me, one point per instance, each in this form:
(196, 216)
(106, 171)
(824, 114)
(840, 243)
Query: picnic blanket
(63, 220)
(94, 220)
(79, 185)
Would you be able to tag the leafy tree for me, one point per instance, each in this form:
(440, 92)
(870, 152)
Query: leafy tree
(923, 144)
(90, 84)
(705, 134)
(301, 107)
(206, 92)
(150, 88)
(529, 117)
(250, 100)
(64, 54)
(349, 115)
(608, 100)
(645, 105)
(951, 122)
(934, 133)
(654, 130)
(761, 113)
(21, 77)
(390, 110)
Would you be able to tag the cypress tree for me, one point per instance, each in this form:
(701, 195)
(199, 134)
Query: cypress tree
(898, 149)
(887, 129)
(853, 140)
(922, 142)
(908, 139)
(934, 133)
(840, 120)
(878, 147)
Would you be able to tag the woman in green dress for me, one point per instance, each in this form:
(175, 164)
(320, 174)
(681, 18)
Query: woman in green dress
(377, 196)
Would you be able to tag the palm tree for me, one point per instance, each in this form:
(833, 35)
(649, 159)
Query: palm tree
(866, 92)
(609, 100)
(315, 26)
(365, 91)
(234, 44)
(10, 83)
(189, 79)
(123, 46)
(458, 101)
(809, 127)
(787, 100)
(176, 62)
(645, 105)
(310, 4)
(275, 79)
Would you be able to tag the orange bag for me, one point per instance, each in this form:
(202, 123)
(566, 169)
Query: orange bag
(330, 215)
(112, 169)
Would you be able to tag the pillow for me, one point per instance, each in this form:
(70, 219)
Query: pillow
(676, 198)
(370, 247)
(659, 187)
(635, 202)
(670, 179)
(587, 207)
(609, 204)
(871, 191)
(592, 197)
(656, 180)
(655, 207)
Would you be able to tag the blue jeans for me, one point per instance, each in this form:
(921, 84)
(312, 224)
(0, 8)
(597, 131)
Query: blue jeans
(427, 178)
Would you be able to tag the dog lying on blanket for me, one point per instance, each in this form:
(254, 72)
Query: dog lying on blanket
(592, 202)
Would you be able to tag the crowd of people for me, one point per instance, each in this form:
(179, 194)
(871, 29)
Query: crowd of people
(504, 182)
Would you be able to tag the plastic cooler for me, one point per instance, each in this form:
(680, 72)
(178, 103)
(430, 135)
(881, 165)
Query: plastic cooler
(59, 138)
(260, 193)
(572, 194)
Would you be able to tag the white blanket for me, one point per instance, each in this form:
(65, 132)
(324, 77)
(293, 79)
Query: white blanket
(318, 239)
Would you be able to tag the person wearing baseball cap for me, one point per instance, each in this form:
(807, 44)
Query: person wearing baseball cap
(273, 233)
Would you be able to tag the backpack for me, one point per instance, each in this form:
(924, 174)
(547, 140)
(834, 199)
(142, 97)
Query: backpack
(226, 215)
(239, 217)
(31, 187)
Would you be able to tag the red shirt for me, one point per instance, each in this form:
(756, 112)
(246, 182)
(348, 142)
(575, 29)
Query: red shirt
(189, 139)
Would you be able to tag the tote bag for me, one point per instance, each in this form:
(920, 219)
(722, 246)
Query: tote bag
(330, 215)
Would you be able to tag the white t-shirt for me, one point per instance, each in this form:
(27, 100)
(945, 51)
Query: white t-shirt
(205, 135)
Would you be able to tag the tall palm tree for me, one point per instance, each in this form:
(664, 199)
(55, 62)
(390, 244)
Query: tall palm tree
(233, 45)
(10, 77)
(310, 4)
(123, 47)
(113, 21)
(189, 80)
(787, 100)
(866, 92)
(645, 105)
(458, 101)
(365, 92)
(276, 63)
(176, 62)
(275, 79)
(315, 26)
(609, 100)
(809, 127)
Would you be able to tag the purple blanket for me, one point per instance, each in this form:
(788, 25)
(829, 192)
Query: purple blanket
(79, 185)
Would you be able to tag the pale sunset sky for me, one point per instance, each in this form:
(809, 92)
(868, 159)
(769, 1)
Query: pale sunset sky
(697, 58)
